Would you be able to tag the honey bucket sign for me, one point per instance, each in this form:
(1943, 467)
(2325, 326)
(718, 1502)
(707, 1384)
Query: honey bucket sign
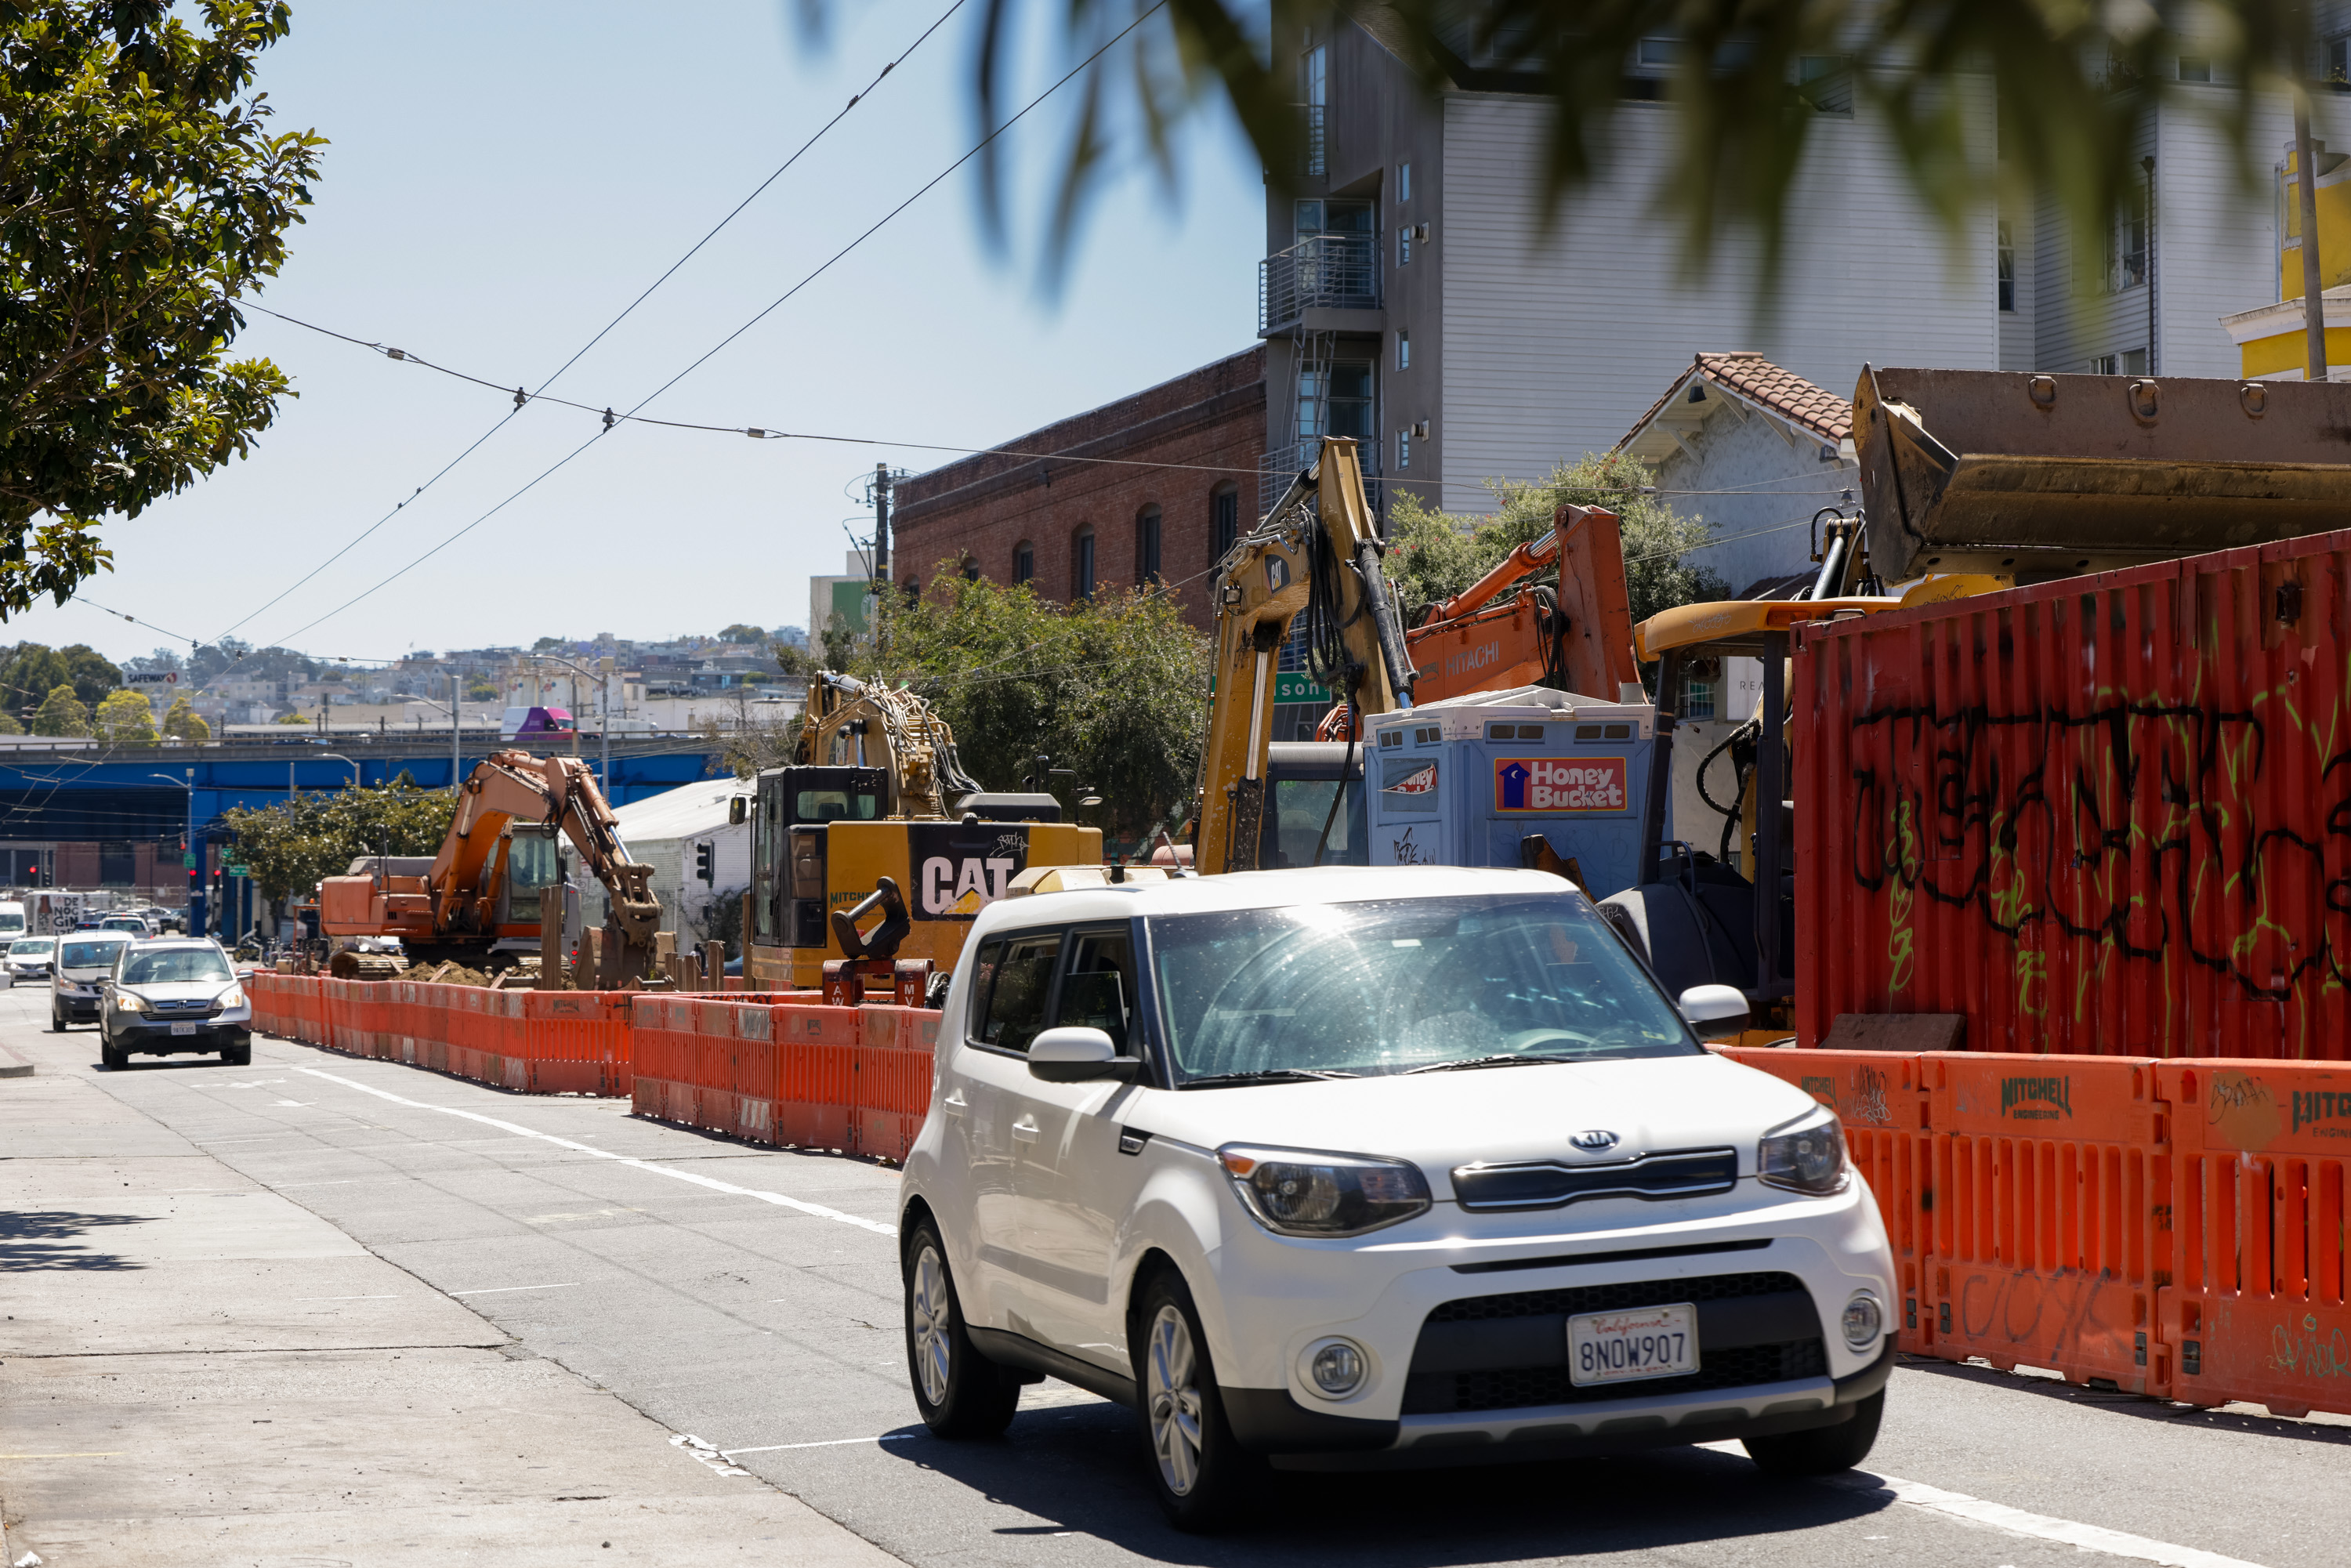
(1556, 784)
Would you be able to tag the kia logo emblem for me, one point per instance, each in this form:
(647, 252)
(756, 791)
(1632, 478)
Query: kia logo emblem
(1595, 1141)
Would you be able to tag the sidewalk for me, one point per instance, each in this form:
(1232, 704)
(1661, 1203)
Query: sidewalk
(194, 1370)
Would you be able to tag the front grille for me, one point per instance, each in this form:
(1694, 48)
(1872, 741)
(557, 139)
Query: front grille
(1518, 1387)
(1446, 1378)
(1546, 1183)
(1574, 1299)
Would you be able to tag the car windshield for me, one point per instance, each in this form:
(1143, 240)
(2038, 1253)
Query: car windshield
(32, 947)
(1395, 986)
(88, 954)
(174, 964)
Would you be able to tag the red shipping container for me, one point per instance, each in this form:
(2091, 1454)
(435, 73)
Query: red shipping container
(2097, 816)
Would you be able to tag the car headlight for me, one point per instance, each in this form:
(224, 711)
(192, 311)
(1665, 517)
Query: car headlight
(232, 998)
(1805, 1156)
(1299, 1192)
(129, 1002)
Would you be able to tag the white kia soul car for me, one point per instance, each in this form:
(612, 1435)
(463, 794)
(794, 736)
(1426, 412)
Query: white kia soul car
(1364, 1167)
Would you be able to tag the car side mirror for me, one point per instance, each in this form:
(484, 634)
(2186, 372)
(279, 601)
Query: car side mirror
(1713, 1007)
(1079, 1055)
(739, 811)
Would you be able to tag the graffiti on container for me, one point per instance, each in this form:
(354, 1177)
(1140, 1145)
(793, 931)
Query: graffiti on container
(2054, 1317)
(2315, 1106)
(1407, 851)
(2312, 1353)
(2036, 1099)
(2139, 827)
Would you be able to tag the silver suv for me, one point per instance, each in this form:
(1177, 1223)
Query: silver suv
(173, 995)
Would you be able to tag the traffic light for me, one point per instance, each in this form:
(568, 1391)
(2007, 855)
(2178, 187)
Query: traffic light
(701, 867)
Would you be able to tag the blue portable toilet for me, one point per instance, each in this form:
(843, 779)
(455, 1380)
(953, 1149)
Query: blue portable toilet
(1462, 781)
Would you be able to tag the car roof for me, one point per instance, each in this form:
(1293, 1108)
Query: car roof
(153, 944)
(1263, 890)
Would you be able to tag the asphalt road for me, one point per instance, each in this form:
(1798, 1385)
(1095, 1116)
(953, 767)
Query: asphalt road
(750, 1299)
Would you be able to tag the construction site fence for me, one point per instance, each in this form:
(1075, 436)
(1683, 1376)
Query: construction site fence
(2172, 1228)
(770, 1069)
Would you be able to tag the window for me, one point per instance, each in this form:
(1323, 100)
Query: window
(183, 966)
(1403, 350)
(1146, 547)
(1082, 565)
(1404, 182)
(1300, 807)
(1313, 84)
(1825, 81)
(1011, 983)
(1024, 562)
(2338, 61)
(1698, 693)
(1335, 402)
(1224, 520)
(1098, 989)
(1403, 246)
(2127, 244)
(2006, 268)
(1404, 449)
(1319, 215)
(2129, 362)
(970, 569)
(2194, 69)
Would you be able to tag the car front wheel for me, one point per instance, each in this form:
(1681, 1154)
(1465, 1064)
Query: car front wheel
(1203, 1477)
(1823, 1450)
(960, 1393)
(57, 1019)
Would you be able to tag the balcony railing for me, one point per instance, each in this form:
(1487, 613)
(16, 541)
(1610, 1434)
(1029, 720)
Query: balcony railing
(1339, 272)
(1285, 462)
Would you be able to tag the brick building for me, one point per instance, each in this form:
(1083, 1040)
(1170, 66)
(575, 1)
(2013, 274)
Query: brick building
(1072, 527)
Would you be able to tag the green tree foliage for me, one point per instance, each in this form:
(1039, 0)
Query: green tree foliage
(2074, 84)
(30, 671)
(742, 632)
(240, 660)
(182, 723)
(62, 714)
(1435, 555)
(293, 845)
(142, 193)
(1115, 689)
(124, 718)
(8, 724)
(293, 716)
(839, 643)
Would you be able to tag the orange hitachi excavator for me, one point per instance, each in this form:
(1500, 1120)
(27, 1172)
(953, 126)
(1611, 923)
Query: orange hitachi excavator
(482, 890)
(1576, 637)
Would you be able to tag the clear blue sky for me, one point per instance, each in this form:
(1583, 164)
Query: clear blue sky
(505, 177)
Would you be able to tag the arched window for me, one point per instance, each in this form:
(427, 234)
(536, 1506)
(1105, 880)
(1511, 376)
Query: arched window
(1024, 562)
(971, 568)
(1224, 520)
(1081, 563)
(1146, 547)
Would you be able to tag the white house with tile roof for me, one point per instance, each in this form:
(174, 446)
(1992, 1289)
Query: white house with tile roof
(1756, 451)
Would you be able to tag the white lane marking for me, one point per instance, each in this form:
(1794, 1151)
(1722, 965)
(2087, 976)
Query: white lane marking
(698, 1449)
(2016, 1520)
(828, 1443)
(509, 1290)
(713, 1183)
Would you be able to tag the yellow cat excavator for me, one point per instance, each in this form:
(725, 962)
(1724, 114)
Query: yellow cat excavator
(478, 902)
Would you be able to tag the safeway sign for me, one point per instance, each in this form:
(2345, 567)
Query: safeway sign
(1554, 784)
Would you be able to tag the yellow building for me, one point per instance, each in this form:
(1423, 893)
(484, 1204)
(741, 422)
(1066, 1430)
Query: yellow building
(2273, 340)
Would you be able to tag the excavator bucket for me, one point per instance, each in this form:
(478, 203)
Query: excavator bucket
(2034, 476)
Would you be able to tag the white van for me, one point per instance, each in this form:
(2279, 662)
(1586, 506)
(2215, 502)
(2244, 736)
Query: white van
(12, 921)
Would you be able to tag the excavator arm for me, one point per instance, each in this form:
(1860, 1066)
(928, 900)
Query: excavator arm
(868, 724)
(1318, 549)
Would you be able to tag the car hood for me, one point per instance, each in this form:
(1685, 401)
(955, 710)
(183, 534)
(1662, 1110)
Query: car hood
(1440, 1120)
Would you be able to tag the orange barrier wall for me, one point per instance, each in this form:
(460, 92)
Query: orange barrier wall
(768, 1068)
(2171, 1228)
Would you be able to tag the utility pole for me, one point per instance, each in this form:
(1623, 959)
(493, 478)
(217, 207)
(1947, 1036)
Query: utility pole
(881, 528)
(457, 731)
(2313, 303)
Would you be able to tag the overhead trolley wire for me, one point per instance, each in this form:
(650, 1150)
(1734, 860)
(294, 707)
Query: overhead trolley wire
(613, 421)
(521, 398)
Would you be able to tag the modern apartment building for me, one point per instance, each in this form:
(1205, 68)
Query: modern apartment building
(1415, 297)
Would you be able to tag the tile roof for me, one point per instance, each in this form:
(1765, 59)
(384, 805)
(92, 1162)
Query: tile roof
(1768, 387)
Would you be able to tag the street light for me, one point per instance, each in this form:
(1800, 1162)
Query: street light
(603, 714)
(337, 756)
(196, 890)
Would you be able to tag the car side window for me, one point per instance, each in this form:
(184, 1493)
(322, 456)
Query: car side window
(1098, 986)
(1022, 985)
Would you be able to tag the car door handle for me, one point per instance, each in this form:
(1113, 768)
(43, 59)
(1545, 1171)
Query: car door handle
(955, 1104)
(1024, 1131)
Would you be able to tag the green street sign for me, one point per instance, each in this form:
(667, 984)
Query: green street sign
(1291, 686)
(188, 862)
(238, 870)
